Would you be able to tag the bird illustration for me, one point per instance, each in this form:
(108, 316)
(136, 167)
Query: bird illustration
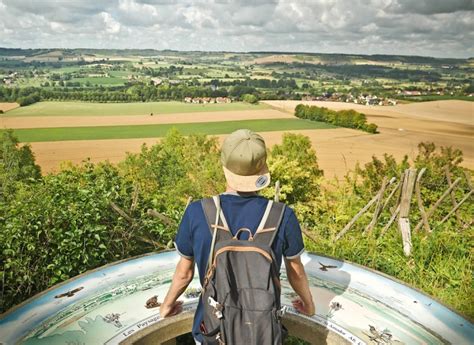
(69, 293)
(336, 306)
(152, 302)
(380, 337)
(113, 318)
(325, 267)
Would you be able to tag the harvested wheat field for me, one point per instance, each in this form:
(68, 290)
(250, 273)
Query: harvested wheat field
(8, 106)
(446, 111)
(338, 150)
(274, 58)
(50, 155)
(129, 120)
(402, 128)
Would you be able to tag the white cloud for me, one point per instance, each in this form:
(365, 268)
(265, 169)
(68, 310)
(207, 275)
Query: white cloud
(342, 26)
(111, 25)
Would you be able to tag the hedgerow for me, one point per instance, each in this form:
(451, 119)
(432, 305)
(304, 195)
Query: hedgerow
(341, 118)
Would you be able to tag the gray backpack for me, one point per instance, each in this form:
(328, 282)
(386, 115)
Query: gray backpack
(241, 290)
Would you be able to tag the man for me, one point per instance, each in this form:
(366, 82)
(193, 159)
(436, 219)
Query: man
(243, 158)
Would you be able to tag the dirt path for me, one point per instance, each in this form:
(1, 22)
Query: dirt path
(124, 120)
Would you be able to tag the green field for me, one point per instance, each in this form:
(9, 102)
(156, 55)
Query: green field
(155, 131)
(110, 109)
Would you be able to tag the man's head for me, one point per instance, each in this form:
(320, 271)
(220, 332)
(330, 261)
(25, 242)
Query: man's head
(244, 157)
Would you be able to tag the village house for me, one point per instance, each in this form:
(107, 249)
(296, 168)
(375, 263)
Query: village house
(411, 93)
(349, 98)
(223, 100)
(207, 100)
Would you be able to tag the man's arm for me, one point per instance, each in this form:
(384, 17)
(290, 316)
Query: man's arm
(299, 282)
(182, 277)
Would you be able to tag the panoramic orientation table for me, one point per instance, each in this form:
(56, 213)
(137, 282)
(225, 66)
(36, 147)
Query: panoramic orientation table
(118, 303)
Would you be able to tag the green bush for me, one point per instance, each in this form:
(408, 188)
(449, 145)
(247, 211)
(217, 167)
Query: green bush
(17, 164)
(30, 99)
(249, 98)
(58, 226)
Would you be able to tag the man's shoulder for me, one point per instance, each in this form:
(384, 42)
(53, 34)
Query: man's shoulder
(194, 206)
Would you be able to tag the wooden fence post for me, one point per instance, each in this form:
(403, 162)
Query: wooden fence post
(437, 203)
(452, 194)
(397, 203)
(403, 220)
(357, 216)
(392, 193)
(424, 218)
(378, 207)
(392, 218)
(457, 207)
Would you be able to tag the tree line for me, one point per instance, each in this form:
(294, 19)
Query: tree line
(138, 92)
(341, 118)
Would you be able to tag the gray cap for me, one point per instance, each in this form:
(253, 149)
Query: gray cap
(243, 156)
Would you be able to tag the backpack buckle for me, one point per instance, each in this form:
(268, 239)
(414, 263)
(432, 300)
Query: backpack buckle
(217, 307)
(219, 339)
(282, 311)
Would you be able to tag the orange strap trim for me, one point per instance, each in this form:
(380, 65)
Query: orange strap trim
(242, 249)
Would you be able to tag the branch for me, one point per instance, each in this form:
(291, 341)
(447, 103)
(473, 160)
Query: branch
(165, 219)
(121, 212)
(308, 234)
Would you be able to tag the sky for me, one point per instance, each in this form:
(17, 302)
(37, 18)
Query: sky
(439, 28)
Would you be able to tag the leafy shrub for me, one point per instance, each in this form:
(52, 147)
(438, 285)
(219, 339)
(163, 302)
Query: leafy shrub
(27, 100)
(17, 164)
(249, 98)
(295, 165)
(63, 224)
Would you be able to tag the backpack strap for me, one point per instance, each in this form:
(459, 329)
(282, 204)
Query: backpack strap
(217, 223)
(268, 227)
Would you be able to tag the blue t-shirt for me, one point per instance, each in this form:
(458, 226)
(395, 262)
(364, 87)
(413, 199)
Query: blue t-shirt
(193, 240)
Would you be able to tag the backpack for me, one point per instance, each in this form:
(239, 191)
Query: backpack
(241, 290)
